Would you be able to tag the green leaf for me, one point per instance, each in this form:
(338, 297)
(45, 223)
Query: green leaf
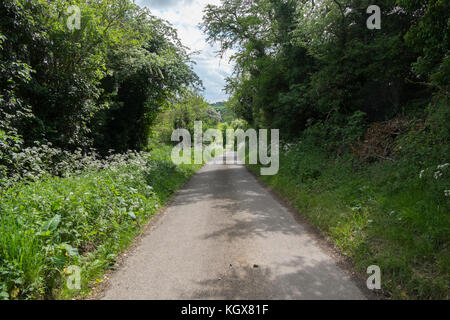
(52, 224)
(59, 261)
(3, 293)
(71, 251)
(43, 234)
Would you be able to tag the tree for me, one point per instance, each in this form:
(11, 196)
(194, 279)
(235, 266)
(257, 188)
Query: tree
(101, 84)
(142, 81)
(301, 62)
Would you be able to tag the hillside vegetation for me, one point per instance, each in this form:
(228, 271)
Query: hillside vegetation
(364, 120)
(87, 112)
(79, 177)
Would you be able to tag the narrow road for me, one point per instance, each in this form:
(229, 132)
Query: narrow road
(226, 237)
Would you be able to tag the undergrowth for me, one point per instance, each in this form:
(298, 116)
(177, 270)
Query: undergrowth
(391, 213)
(81, 220)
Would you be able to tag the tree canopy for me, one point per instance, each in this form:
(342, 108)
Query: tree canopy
(101, 84)
(302, 62)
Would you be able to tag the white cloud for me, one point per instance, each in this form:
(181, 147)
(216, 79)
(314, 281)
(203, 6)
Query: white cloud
(185, 16)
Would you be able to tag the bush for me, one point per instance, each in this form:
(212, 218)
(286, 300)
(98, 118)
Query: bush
(33, 163)
(393, 214)
(82, 220)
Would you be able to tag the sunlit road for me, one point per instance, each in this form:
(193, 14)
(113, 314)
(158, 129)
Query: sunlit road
(226, 237)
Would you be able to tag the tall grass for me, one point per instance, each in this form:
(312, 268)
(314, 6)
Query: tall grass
(389, 214)
(83, 220)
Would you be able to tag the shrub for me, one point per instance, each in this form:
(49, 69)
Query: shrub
(81, 219)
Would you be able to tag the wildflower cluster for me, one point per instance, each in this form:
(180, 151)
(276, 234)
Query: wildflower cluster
(82, 218)
(440, 175)
(33, 163)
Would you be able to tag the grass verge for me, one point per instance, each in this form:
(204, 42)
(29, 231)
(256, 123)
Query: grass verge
(83, 221)
(377, 214)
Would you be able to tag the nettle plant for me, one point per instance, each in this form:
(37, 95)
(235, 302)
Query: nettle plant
(84, 219)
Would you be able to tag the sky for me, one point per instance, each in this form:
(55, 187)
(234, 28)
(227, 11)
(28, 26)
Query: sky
(185, 16)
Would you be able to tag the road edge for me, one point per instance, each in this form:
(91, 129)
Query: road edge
(344, 262)
(97, 290)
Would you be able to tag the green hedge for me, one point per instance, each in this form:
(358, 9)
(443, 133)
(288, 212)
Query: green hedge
(83, 220)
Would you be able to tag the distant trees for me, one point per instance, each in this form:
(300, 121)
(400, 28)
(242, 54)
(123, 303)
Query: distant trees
(218, 104)
(189, 107)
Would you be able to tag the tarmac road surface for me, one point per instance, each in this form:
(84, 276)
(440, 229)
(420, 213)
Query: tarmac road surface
(225, 236)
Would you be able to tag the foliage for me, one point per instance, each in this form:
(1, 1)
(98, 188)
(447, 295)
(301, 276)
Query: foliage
(302, 62)
(143, 83)
(364, 121)
(393, 214)
(182, 114)
(104, 82)
(364, 117)
(62, 92)
(84, 219)
(225, 111)
(429, 37)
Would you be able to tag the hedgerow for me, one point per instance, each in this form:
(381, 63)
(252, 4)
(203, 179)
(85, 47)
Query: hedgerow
(84, 219)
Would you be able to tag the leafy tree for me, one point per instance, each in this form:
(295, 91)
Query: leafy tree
(14, 73)
(142, 82)
(100, 85)
(300, 62)
(189, 107)
(429, 38)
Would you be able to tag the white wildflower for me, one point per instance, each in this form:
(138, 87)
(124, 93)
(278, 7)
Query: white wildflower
(437, 174)
(421, 174)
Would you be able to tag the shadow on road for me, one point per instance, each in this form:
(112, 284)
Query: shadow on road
(309, 282)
